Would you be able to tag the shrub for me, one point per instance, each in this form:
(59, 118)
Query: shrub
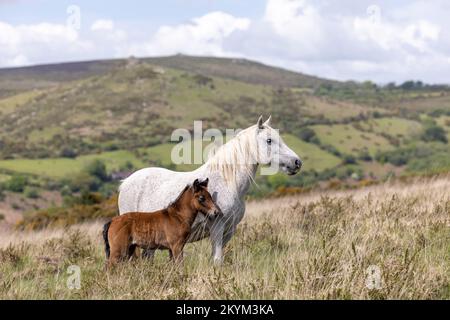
(307, 134)
(68, 153)
(97, 168)
(84, 181)
(277, 180)
(65, 191)
(434, 133)
(331, 150)
(16, 183)
(364, 156)
(31, 192)
(349, 159)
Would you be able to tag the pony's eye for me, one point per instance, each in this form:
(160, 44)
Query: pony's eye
(269, 141)
(201, 199)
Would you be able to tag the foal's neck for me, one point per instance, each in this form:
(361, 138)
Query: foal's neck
(183, 208)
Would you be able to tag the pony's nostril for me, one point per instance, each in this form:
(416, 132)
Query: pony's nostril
(298, 163)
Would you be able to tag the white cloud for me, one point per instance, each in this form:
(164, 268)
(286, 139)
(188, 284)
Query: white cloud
(202, 36)
(380, 43)
(342, 40)
(105, 29)
(40, 42)
(102, 25)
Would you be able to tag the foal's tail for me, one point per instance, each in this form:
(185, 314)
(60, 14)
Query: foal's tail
(105, 237)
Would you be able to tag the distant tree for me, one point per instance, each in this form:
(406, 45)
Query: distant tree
(364, 156)
(412, 85)
(68, 153)
(376, 114)
(97, 168)
(391, 86)
(434, 133)
(349, 159)
(369, 85)
(307, 134)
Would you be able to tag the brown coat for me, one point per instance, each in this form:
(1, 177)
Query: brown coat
(168, 228)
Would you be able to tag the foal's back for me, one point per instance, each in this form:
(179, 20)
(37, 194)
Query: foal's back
(143, 228)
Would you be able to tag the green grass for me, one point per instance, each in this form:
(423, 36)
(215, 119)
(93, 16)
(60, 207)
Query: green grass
(64, 167)
(313, 157)
(396, 127)
(334, 110)
(4, 177)
(349, 140)
(9, 104)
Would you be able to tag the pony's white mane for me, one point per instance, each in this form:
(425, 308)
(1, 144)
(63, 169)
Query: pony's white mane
(237, 156)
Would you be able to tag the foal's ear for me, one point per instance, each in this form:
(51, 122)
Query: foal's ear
(196, 184)
(204, 183)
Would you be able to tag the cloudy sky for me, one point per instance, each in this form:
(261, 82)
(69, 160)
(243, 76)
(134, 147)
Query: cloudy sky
(341, 39)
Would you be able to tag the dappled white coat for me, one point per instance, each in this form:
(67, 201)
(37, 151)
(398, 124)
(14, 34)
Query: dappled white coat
(151, 189)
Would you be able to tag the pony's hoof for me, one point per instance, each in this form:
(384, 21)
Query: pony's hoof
(218, 261)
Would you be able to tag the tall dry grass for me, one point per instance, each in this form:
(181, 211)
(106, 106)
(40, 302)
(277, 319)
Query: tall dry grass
(321, 245)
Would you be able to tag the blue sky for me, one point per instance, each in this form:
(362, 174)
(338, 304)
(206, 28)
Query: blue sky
(363, 40)
(152, 13)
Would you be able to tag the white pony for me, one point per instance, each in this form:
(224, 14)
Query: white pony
(230, 171)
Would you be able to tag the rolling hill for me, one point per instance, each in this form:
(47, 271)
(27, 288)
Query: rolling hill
(55, 119)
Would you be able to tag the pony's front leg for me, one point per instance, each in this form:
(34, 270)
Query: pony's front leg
(216, 235)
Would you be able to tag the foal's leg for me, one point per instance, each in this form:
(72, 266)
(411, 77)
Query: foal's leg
(118, 253)
(131, 250)
(176, 253)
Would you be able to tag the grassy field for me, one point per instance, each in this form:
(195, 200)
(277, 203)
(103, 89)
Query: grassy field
(349, 140)
(315, 158)
(319, 245)
(397, 127)
(64, 167)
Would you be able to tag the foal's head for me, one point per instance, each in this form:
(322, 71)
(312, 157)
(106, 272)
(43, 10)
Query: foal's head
(202, 200)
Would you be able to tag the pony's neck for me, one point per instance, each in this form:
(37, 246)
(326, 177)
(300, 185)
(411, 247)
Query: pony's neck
(244, 178)
(235, 161)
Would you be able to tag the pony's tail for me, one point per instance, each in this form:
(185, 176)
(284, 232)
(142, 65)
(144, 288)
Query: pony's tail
(105, 237)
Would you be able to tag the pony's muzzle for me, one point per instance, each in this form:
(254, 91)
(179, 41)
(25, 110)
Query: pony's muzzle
(294, 166)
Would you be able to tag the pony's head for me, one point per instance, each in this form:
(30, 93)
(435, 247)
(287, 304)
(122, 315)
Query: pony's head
(271, 149)
(202, 200)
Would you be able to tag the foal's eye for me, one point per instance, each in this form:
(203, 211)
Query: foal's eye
(269, 141)
(201, 199)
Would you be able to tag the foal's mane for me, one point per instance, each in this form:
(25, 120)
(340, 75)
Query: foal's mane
(235, 156)
(175, 202)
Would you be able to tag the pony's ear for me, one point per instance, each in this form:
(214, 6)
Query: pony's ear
(260, 122)
(204, 183)
(267, 123)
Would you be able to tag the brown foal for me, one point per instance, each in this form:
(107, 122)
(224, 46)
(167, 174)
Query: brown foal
(168, 228)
